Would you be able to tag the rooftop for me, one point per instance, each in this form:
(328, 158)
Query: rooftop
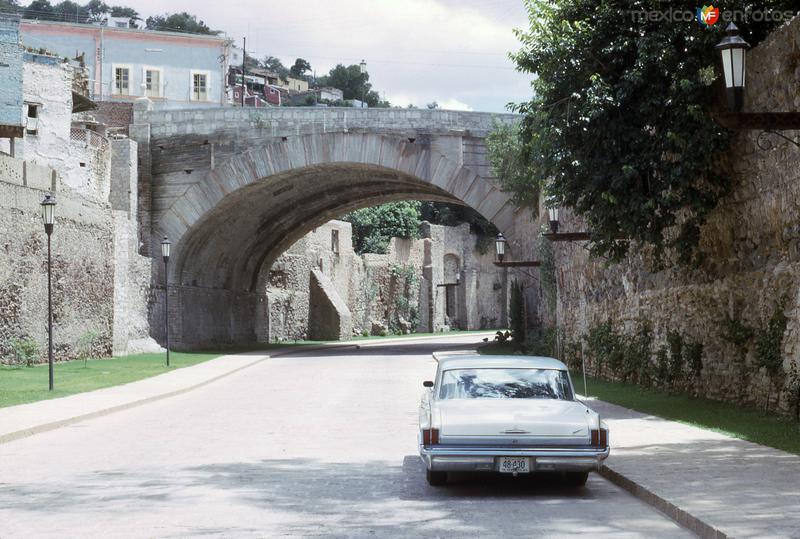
(113, 29)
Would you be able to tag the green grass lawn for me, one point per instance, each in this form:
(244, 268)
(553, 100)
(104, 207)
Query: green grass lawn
(19, 385)
(726, 418)
(737, 421)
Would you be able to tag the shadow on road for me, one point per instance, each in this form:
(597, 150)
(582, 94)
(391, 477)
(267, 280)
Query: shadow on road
(375, 497)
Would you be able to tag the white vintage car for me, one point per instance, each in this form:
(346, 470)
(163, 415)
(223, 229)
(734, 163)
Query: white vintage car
(507, 414)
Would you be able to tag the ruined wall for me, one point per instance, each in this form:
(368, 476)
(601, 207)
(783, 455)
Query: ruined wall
(395, 292)
(83, 271)
(100, 283)
(752, 247)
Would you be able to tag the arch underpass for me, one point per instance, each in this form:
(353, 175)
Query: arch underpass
(235, 217)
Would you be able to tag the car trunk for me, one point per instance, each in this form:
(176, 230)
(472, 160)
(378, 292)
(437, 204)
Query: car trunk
(513, 422)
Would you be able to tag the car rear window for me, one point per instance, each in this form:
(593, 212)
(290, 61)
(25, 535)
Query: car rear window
(493, 383)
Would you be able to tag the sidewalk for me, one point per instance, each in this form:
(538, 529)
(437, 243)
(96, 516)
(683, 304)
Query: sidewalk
(714, 485)
(27, 419)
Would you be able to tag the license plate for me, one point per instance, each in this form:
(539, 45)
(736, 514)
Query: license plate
(515, 465)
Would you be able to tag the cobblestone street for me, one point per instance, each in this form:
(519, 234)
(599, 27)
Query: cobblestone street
(320, 444)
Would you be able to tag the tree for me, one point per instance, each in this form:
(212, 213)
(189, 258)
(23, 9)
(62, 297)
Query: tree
(179, 22)
(433, 105)
(69, 11)
(299, 69)
(39, 9)
(374, 227)
(506, 152)
(123, 11)
(350, 80)
(9, 6)
(275, 65)
(251, 62)
(618, 127)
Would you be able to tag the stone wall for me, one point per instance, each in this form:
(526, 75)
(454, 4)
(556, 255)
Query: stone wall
(100, 283)
(752, 247)
(83, 271)
(397, 292)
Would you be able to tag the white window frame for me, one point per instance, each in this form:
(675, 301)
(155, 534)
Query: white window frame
(160, 90)
(114, 89)
(32, 123)
(208, 85)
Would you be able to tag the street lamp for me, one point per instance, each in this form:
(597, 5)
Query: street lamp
(732, 49)
(48, 217)
(165, 249)
(363, 68)
(552, 215)
(500, 246)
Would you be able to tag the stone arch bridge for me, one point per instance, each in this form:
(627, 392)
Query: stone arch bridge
(233, 188)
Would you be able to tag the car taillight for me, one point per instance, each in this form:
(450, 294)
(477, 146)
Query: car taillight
(430, 436)
(600, 437)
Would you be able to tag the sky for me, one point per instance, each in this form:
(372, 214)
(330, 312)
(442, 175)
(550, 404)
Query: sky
(454, 52)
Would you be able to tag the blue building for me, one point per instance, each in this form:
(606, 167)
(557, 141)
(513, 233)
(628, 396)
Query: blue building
(174, 70)
(10, 78)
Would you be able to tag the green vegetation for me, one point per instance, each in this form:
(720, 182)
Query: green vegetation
(68, 11)
(24, 351)
(517, 319)
(179, 22)
(21, 385)
(353, 83)
(505, 150)
(374, 227)
(619, 109)
(732, 420)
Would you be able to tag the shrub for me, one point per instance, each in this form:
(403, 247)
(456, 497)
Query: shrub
(85, 345)
(24, 350)
(662, 365)
(602, 344)
(541, 342)
(675, 368)
(516, 313)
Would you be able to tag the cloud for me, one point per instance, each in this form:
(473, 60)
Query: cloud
(454, 104)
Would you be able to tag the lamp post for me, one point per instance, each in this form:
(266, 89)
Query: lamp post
(552, 217)
(500, 247)
(363, 68)
(732, 50)
(165, 250)
(48, 217)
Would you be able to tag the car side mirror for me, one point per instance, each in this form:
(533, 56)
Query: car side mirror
(427, 383)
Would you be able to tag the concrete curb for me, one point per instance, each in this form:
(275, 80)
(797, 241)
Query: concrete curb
(685, 519)
(10, 437)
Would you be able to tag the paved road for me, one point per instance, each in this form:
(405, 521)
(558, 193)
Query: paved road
(316, 445)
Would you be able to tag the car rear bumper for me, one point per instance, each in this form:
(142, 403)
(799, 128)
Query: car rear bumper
(486, 459)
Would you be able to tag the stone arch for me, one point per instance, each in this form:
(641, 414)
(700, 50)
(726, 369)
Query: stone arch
(246, 211)
(277, 192)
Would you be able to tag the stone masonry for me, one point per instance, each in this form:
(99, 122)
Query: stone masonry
(397, 292)
(233, 189)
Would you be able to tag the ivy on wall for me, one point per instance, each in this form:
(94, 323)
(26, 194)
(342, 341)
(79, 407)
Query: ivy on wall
(618, 127)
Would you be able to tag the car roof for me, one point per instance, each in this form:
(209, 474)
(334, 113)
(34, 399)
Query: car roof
(472, 361)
